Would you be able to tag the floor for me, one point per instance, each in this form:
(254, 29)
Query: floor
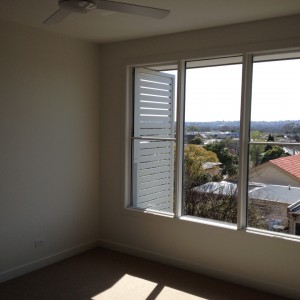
(105, 274)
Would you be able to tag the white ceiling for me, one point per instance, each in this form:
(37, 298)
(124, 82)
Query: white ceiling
(102, 26)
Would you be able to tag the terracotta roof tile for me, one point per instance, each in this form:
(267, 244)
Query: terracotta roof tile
(290, 164)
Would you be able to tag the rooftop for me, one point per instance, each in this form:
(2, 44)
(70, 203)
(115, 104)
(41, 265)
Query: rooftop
(290, 164)
(269, 192)
(210, 165)
(295, 207)
(278, 193)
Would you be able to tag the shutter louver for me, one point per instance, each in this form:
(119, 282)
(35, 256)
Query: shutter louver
(153, 147)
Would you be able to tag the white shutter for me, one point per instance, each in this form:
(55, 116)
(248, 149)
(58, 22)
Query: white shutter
(153, 145)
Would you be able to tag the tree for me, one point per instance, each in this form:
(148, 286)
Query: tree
(255, 151)
(220, 206)
(293, 130)
(231, 144)
(273, 153)
(196, 141)
(255, 135)
(255, 154)
(194, 158)
(206, 203)
(228, 160)
(192, 128)
(270, 139)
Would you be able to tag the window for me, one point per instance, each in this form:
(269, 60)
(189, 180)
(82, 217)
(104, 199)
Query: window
(153, 141)
(228, 149)
(211, 138)
(274, 160)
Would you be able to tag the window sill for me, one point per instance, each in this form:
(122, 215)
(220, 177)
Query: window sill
(214, 223)
(208, 222)
(136, 210)
(273, 234)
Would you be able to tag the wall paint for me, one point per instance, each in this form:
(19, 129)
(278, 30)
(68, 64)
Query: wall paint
(264, 262)
(49, 152)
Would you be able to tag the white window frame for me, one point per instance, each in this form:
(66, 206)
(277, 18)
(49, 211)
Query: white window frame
(245, 119)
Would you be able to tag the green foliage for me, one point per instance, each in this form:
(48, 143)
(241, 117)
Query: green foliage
(291, 128)
(192, 128)
(205, 205)
(255, 154)
(270, 139)
(273, 153)
(228, 160)
(219, 207)
(194, 158)
(255, 135)
(196, 141)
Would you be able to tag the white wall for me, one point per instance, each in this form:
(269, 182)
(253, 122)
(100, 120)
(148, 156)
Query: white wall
(260, 261)
(49, 147)
(50, 154)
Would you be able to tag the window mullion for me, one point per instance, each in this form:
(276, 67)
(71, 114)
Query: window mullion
(244, 141)
(179, 138)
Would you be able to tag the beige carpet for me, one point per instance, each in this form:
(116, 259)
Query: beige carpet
(104, 274)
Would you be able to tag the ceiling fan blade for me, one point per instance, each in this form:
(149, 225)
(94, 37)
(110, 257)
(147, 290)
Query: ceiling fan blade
(132, 9)
(57, 16)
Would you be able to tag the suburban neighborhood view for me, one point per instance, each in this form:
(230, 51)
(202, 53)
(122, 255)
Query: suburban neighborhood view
(212, 133)
(211, 186)
(211, 174)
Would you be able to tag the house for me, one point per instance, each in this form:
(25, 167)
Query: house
(277, 204)
(291, 151)
(62, 114)
(294, 216)
(212, 168)
(273, 202)
(281, 171)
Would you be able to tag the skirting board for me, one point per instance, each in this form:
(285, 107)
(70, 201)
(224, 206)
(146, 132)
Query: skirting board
(214, 273)
(45, 261)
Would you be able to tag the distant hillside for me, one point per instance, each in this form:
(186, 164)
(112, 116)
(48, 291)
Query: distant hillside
(263, 126)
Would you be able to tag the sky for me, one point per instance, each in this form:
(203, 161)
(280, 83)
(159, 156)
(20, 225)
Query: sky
(214, 93)
(276, 90)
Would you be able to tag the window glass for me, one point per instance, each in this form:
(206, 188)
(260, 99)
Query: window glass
(274, 155)
(270, 178)
(211, 138)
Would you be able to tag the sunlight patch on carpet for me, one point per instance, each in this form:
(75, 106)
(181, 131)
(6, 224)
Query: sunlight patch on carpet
(128, 287)
(170, 293)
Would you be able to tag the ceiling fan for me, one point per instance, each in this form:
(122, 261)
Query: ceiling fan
(84, 6)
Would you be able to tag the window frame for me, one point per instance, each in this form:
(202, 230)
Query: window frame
(244, 141)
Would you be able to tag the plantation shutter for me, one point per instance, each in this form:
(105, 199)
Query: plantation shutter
(153, 140)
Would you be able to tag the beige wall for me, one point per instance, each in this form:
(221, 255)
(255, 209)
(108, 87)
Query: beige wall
(251, 259)
(269, 174)
(49, 147)
(51, 152)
